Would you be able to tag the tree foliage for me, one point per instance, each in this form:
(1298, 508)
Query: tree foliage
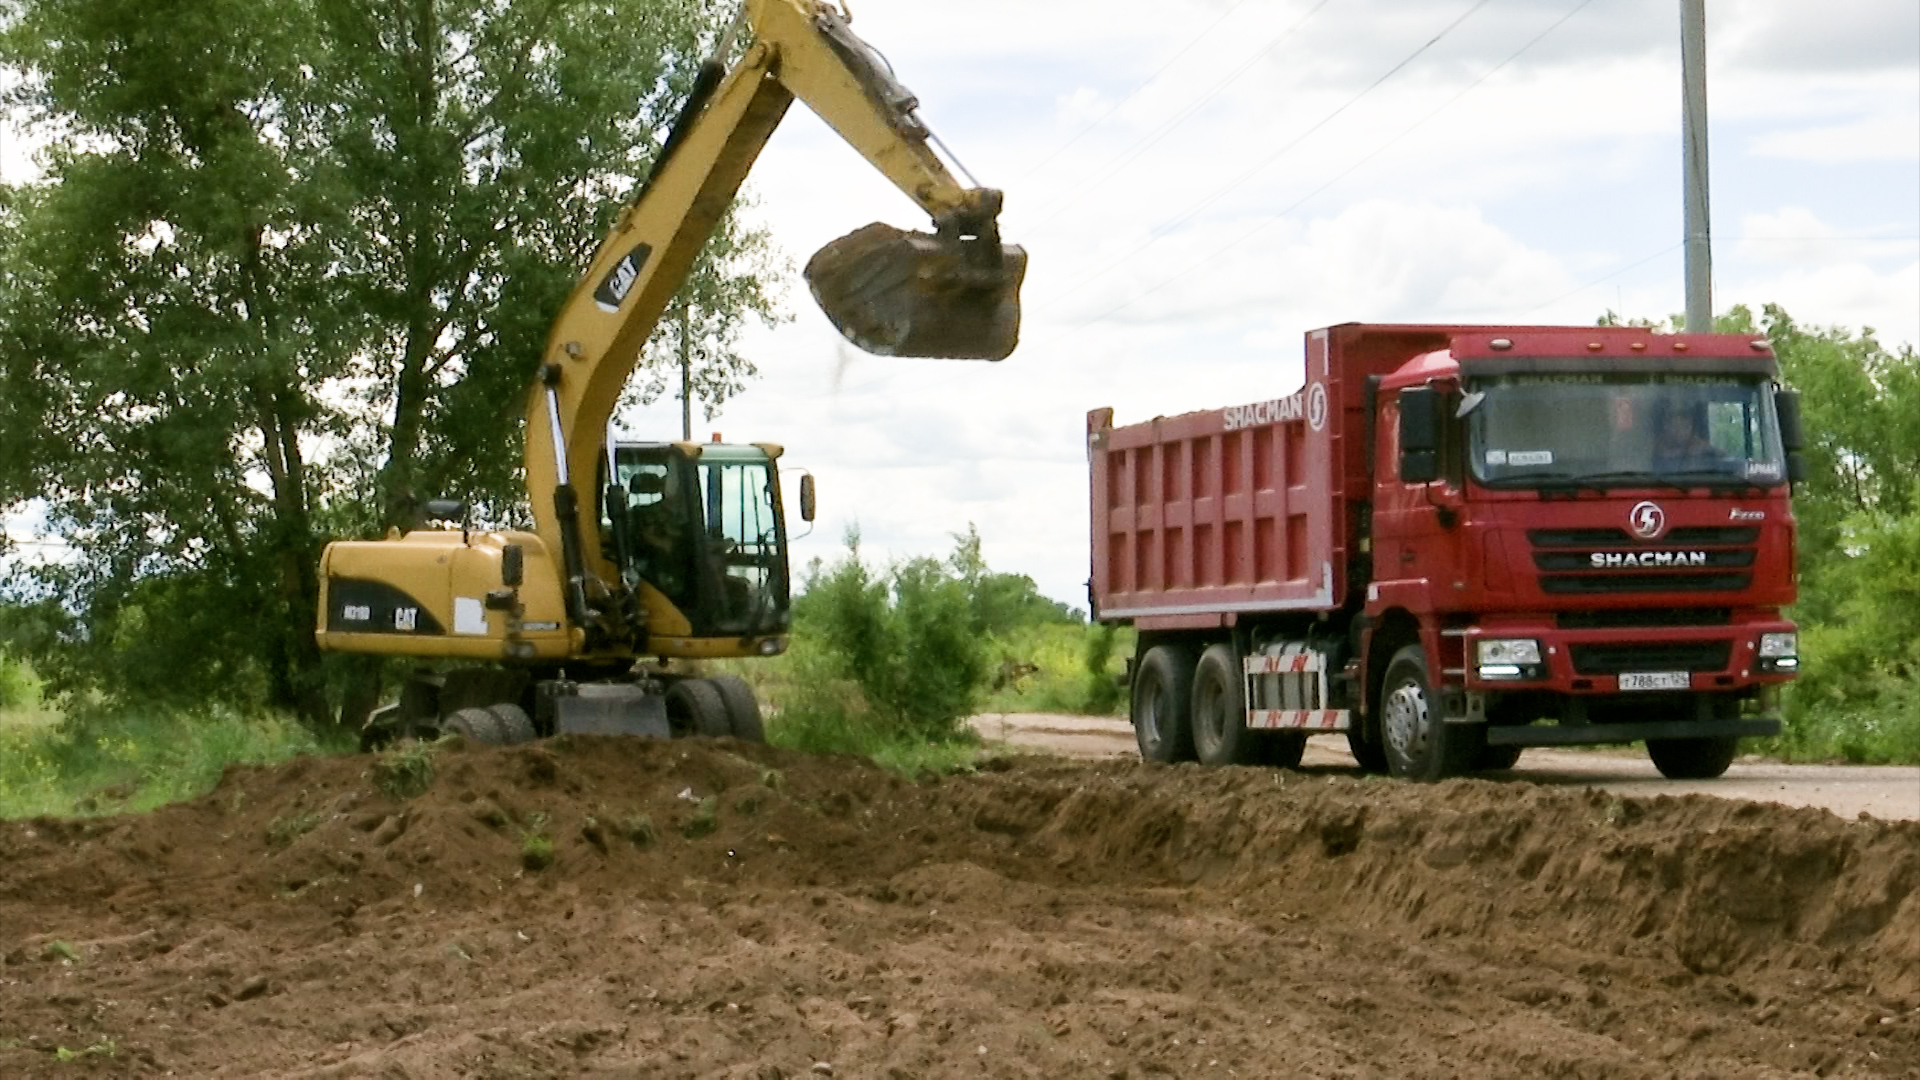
(285, 278)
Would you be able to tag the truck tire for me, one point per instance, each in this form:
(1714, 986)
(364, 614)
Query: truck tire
(1496, 758)
(515, 725)
(1367, 753)
(476, 725)
(743, 709)
(1692, 759)
(1219, 712)
(1419, 745)
(695, 707)
(1282, 750)
(1162, 696)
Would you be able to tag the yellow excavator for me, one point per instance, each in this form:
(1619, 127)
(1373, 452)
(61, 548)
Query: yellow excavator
(679, 550)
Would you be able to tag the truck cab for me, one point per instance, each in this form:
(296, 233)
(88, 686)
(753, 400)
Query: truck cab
(1591, 528)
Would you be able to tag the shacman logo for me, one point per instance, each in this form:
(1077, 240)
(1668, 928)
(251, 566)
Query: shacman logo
(1647, 519)
(1617, 560)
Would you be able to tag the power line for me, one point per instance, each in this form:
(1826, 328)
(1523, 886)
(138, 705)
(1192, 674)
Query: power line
(1135, 92)
(1635, 265)
(1051, 211)
(1162, 231)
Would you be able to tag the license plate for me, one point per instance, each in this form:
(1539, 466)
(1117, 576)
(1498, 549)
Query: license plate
(1656, 680)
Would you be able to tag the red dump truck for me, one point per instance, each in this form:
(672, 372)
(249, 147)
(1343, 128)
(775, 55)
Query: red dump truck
(1454, 542)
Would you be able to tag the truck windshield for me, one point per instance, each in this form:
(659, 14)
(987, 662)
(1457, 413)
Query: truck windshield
(1612, 430)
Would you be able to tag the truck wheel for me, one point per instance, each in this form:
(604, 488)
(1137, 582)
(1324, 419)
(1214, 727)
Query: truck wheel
(1282, 751)
(1496, 758)
(515, 725)
(695, 707)
(1692, 759)
(1162, 696)
(1418, 744)
(1220, 735)
(476, 725)
(1367, 753)
(743, 710)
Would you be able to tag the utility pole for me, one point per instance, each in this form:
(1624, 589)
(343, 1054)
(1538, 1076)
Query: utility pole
(686, 376)
(1699, 225)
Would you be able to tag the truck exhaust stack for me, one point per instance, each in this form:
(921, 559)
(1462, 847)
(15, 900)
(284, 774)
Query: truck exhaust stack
(898, 293)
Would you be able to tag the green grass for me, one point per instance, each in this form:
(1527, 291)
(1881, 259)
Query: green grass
(827, 730)
(116, 762)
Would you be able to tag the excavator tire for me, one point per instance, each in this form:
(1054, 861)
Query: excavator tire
(695, 707)
(515, 725)
(476, 725)
(743, 709)
(899, 293)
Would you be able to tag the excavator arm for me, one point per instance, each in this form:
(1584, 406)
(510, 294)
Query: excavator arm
(953, 293)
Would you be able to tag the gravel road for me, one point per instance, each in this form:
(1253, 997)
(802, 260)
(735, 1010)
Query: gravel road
(1888, 792)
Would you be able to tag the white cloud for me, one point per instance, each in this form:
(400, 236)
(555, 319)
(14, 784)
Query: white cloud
(1887, 136)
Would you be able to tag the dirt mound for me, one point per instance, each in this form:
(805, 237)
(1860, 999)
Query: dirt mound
(586, 906)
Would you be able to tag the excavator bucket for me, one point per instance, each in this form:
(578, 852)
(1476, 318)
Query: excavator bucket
(897, 293)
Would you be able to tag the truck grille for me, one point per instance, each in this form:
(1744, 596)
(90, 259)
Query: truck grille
(1629, 618)
(1660, 656)
(1689, 558)
(1606, 583)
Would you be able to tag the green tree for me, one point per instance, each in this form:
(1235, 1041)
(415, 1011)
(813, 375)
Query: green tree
(285, 277)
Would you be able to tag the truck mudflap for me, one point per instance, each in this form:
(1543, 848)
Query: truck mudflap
(1602, 734)
(1299, 719)
(1287, 691)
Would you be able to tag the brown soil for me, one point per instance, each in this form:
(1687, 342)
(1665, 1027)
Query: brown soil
(1045, 918)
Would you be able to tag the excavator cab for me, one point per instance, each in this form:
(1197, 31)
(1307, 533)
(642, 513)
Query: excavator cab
(700, 525)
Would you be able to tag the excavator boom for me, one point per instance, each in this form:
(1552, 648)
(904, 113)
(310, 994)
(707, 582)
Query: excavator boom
(953, 293)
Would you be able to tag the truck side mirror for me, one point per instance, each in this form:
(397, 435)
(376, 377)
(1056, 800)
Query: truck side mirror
(1419, 435)
(1792, 437)
(513, 566)
(807, 505)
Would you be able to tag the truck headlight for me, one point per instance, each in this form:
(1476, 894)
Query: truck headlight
(1775, 646)
(1507, 652)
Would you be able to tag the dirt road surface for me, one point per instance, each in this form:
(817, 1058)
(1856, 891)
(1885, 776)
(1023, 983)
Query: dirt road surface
(1891, 792)
(713, 909)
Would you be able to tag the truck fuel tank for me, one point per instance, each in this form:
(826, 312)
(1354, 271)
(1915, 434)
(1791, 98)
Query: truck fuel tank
(899, 293)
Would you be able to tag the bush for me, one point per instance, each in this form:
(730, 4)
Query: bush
(907, 641)
(19, 689)
(1059, 668)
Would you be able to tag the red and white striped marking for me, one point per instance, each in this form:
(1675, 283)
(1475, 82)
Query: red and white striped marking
(1298, 719)
(1285, 665)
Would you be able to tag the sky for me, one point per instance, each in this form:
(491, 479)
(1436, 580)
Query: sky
(1198, 183)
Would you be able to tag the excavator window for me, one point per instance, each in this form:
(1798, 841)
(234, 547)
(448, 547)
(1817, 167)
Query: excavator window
(705, 533)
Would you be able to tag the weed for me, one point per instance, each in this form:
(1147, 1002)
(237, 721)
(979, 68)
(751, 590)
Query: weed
(405, 771)
(105, 1047)
(284, 830)
(638, 828)
(60, 950)
(536, 851)
(705, 819)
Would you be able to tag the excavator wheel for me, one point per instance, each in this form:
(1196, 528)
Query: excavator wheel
(515, 725)
(476, 725)
(898, 293)
(695, 707)
(743, 709)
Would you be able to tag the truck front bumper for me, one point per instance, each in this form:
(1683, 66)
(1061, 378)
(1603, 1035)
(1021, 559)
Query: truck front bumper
(1626, 661)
